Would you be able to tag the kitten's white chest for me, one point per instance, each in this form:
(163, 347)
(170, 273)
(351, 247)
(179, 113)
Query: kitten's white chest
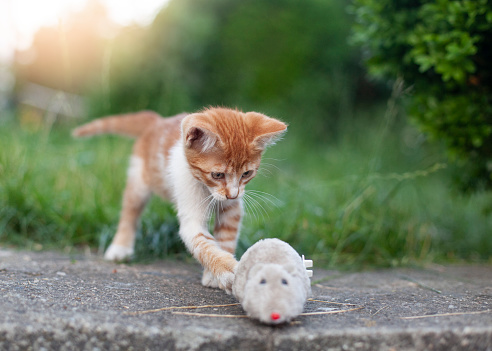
(188, 193)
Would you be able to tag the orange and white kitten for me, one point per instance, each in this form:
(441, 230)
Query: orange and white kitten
(200, 160)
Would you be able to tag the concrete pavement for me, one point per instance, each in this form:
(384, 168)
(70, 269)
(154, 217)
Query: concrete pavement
(51, 301)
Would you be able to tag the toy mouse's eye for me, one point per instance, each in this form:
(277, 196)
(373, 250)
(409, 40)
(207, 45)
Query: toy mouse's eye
(263, 281)
(284, 281)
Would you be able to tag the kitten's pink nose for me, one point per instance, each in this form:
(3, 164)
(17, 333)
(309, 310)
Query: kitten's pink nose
(275, 316)
(232, 193)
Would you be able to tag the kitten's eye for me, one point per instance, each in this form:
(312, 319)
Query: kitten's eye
(247, 174)
(218, 175)
(263, 281)
(284, 281)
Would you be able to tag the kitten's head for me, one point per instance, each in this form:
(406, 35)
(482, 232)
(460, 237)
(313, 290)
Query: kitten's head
(224, 147)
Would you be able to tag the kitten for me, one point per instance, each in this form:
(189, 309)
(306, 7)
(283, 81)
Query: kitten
(199, 161)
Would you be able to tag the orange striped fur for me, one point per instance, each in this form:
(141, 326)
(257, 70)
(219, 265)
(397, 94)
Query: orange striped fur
(200, 161)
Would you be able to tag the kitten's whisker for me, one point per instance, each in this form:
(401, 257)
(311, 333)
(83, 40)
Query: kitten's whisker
(259, 206)
(208, 202)
(256, 207)
(262, 171)
(266, 197)
(259, 197)
(266, 200)
(213, 208)
(274, 159)
(216, 212)
(210, 209)
(246, 204)
(249, 207)
(202, 203)
(271, 165)
(219, 210)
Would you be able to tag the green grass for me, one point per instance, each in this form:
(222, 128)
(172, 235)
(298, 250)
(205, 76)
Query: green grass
(56, 191)
(376, 194)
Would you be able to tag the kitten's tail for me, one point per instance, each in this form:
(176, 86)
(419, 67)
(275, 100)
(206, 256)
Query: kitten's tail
(131, 124)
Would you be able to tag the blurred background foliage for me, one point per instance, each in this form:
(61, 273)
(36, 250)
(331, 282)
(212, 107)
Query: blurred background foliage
(287, 58)
(353, 183)
(444, 50)
(283, 57)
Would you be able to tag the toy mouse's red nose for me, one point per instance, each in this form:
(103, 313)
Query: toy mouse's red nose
(275, 316)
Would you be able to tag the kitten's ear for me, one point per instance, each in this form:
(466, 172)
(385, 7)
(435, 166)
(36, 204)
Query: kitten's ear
(266, 130)
(197, 135)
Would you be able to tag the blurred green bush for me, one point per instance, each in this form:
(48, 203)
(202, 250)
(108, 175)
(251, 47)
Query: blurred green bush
(284, 57)
(444, 49)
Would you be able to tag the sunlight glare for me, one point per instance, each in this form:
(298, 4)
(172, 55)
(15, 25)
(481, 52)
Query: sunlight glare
(20, 19)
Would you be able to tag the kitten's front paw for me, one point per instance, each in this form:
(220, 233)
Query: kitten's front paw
(225, 281)
(118, 253)
(209, 280)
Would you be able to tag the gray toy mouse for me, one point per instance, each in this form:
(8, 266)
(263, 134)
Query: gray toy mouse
(271, 282)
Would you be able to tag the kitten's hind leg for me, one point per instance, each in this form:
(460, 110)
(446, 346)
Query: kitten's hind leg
(135, 197)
